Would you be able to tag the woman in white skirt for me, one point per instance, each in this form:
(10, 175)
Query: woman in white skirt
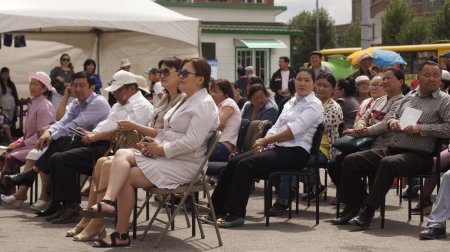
(169, 160)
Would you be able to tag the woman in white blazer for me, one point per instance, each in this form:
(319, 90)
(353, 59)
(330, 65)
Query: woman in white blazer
(169, 160)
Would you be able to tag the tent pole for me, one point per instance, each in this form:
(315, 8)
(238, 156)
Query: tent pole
(97, 32)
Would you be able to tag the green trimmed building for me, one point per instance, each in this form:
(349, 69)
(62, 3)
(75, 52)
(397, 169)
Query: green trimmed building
(239, 33)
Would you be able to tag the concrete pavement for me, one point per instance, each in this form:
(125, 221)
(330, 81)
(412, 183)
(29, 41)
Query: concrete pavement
(20, 230)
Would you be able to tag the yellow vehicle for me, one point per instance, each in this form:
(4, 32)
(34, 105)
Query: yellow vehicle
(412, 54)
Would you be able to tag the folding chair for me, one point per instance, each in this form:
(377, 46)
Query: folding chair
(304, 172)
(196, 185)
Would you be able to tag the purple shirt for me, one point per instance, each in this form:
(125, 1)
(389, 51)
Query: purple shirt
(85, 115)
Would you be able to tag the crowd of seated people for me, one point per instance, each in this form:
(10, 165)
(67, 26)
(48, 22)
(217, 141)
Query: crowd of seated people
(177, 130)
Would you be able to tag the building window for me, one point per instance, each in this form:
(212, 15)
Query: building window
(254, 1)
(209, 51)
(258, 58)
(432, 3)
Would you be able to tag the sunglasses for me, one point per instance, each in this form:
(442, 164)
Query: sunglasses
(65, 59)
(376, 85)
(165, 72)
(183, 74)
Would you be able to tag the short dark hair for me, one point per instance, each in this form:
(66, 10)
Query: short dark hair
(315, 53)
(4, 70)
(224, 86)
(255, 80)
(327, 76)
(428, 63)
(348, 85)
(202, 69)
(89, 62)
(308, 70)
(84, 74)
(255, 88)
(285, 58)
(398, 73)
(171, 62)
(240, 71)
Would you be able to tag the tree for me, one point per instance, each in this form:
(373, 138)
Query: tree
(307, 43)
(397, 15)
(352, 37)
(441, 22)
(415, 32)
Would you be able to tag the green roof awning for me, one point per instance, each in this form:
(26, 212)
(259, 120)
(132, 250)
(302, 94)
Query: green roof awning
(259, 43)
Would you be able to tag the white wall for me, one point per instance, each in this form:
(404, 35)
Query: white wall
(225, 52)
(376, 20)
(227, 15)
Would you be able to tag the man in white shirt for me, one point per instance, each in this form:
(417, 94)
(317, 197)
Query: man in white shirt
(65, 166)
(279, 83)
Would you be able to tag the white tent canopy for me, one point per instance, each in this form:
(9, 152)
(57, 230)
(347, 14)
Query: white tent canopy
(104, 30)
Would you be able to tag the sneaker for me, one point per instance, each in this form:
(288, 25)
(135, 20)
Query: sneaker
(414, 192)
(39, 205)
(277, 210)
(11, 201)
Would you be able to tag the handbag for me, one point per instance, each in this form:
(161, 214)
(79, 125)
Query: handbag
(124, 140)
(349, 144)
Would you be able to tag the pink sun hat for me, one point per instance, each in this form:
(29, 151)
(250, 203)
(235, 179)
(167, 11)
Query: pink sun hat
(42, 78)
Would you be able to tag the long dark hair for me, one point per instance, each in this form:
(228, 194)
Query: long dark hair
(348, 85)
(89, 62)
(224, 86)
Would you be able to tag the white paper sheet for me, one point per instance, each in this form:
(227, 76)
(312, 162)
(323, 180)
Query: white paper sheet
(409, 117)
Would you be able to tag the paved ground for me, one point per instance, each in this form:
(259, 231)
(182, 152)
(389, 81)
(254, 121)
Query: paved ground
(21, 231)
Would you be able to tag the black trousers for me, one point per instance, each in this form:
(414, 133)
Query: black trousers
(60, 145)
(335, 168)
(65, 167)
(383, 165)
(235, 183)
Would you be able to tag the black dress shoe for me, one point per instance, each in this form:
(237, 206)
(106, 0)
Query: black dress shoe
(432, 233)
(50, 209)
(24, 178)
(363, 219)
(345, 217)
(68, 215)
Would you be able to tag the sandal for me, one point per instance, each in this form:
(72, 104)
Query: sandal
(38, 205)
(222, 223)
(75, 231)
(98, 213)
(113, 237)
(427, 207)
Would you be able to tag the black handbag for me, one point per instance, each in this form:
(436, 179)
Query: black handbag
(349, 144)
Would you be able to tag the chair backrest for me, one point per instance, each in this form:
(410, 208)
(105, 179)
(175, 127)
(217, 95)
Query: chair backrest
(256, 129)
(242, 132)
(315, 147)
(212, 141)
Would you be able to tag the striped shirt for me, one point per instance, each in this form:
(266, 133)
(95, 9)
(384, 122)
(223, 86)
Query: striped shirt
(434, 121)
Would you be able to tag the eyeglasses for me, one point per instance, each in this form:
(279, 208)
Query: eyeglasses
(165, 72)
(65, 59)
(183, 74)
(376, 85)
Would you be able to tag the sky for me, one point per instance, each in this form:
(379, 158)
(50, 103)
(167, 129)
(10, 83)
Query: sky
(340, 10)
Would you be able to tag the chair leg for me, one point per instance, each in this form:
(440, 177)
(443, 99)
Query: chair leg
(36, 189)
(317, 203)
(134, 223)
(163, 200)
(147, 212)
(297, 195)
(197, 216)
(290, 203)
(409, 198)
(308, 186)
(382, 210)
(326, 185)
(213, 213)
(399, 188)
(421, 203)
(338, 204)
(267, 199)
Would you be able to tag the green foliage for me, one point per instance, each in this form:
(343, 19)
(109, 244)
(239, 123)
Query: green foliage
(441, 22)
(415, 32)
(352, 37)
(398, 14)
(306, 21)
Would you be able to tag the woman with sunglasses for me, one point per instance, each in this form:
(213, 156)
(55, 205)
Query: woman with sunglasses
(89, 228)
(170, 159)
(285, 147)
(61, 77)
